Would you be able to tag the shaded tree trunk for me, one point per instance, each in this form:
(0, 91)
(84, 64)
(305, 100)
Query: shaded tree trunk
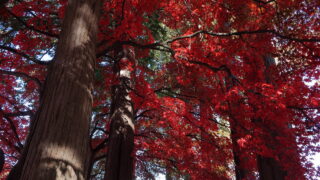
(119, 165)
(2, 159)
(240, 172)
(269, 169)
(58, 143)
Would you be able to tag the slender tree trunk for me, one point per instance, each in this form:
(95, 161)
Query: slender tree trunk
(58, 143)
(119, 164)
(240, 172)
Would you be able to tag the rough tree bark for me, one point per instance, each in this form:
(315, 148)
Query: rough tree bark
(119, 165)
(58, 143)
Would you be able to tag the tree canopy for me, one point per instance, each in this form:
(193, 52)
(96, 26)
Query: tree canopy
(219, 87)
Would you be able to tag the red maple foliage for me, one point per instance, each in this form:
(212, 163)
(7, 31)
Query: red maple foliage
(219, 86)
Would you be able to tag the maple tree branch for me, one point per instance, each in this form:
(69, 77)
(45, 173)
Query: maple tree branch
(103, 143)
(141, 135)
(171, 92)
(23, 75)
(31, 27)
(11, 102)
(99, 157)
(215, 69)
(96, 128)
(303, 108)
(100, 129)
(212, 120)
(239, 33)
(17, 148)
(14, 129)
(142, 113)
(102, 115)
(160, 46)
(202, 129)
(100, 146)
(7, 33)
(155, 46)
(171, 95)
(264, 2)
(308, 118)
(133, 90)
(15, 51)
(21, 113)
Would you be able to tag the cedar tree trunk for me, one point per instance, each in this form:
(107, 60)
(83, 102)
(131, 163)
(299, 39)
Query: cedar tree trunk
(58, 143)
(119, 165)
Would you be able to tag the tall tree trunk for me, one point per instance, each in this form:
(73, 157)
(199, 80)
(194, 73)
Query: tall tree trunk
(119, 164)
(58, 143)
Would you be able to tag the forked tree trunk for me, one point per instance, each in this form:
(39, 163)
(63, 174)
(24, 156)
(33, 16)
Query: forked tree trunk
(58, 143)
(119, 165)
